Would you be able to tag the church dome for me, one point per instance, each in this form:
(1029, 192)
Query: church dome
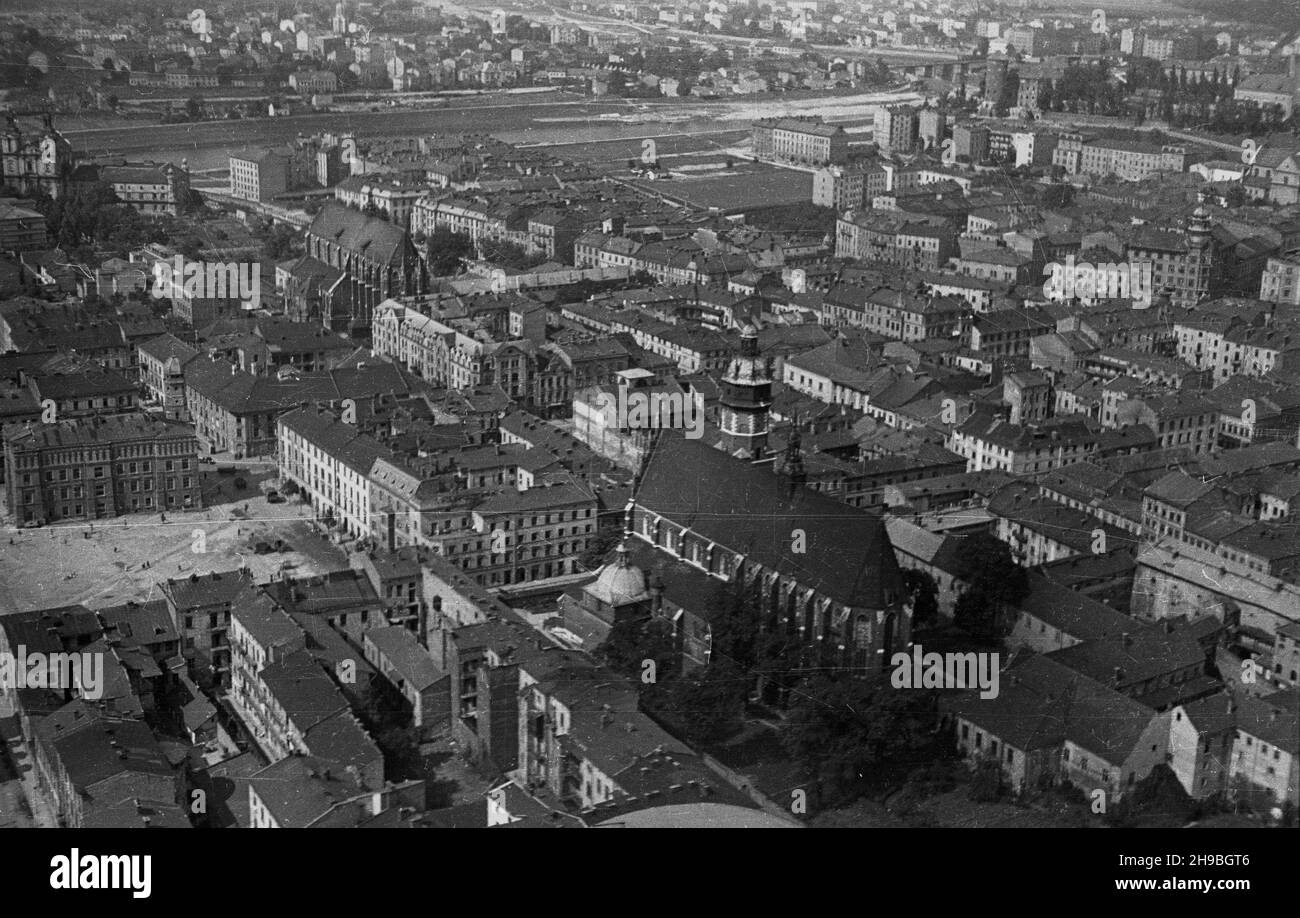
(619, 583)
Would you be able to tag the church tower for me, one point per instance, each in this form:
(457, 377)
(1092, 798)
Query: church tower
(746, 400)
(35, 163)
(1200, 251)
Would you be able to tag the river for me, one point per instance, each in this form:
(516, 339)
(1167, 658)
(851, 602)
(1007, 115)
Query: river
(206, 145)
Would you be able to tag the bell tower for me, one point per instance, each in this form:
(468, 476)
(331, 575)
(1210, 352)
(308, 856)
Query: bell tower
(746, 400)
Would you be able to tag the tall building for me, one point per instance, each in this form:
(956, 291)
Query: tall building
(931, 124)
(746, 400)
(259, 176)
(971, 141)
(1181, 262)
(895, 128)
(995, 81)
(846, 187)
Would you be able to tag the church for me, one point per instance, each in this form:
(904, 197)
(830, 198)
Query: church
(34, 162)
(707, 517)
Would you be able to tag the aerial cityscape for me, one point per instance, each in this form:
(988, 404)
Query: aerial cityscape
(606, 413)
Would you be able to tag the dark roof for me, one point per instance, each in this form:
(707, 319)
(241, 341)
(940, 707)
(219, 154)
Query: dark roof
(1079, 616)
(1144, 652)
(752, 511)
(353, 231)
(1041, 703)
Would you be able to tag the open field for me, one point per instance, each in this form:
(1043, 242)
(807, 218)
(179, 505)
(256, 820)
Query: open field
(103, 563)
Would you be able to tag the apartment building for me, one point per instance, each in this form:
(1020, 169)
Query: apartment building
(99, 467)
(1130, 160)
(1226, 348)
(258, 176)
(200, 607)
(331, 462)
(799, 140)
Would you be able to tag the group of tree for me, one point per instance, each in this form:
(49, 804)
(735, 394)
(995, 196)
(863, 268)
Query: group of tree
(445, 251)
(383, 713)
(91, 215)
(851, 732)
(993, 581)
(281, 242)
(842, 728)
(509, 255)
(703, 705)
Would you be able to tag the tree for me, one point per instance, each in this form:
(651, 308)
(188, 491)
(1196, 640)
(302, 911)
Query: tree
(445, 250)
(993, 581)
(605, 538)
(384, 712)
(986, 781)
(635, 642)
(281, 242)
(840, 728)
(1058, 195)
(925, 596)
(708, 706)
(194, 108)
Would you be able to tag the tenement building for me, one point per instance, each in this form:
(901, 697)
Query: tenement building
(93, 468)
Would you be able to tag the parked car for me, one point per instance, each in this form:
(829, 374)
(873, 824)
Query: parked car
(274, 497)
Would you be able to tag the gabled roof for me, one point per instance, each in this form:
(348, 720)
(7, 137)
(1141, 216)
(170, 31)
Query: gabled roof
(1042, 703)
(749, 510)
(375, 238)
